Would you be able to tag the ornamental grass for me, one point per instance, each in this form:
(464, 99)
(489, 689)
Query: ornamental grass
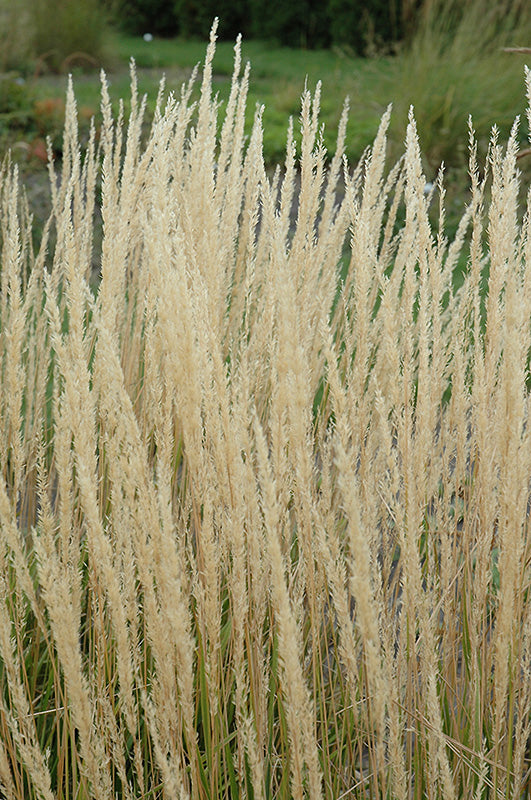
(265, 477)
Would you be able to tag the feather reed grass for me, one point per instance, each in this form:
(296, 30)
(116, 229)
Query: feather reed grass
(265, 484)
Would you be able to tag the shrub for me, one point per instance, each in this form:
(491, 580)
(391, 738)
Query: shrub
(15, 102)
(194, 17)
(363, 27)
(302, 23)
(264, 485)
(144, 16)
(183, 17)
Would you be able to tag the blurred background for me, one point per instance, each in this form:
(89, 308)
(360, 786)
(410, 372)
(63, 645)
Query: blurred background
(448, 58)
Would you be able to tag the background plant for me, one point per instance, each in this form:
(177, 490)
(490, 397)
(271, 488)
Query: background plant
(360, 27)
(14, 34)
(65, 34)
(454, 66)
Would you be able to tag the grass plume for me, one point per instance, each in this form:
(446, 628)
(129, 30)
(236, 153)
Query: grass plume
(265, 478)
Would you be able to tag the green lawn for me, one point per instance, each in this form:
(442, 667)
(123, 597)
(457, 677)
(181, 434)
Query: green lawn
(278, 76)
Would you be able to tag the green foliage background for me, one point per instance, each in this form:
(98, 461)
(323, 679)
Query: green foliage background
(301, 23)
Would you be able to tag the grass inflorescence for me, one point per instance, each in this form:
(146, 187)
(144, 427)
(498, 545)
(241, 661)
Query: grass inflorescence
(265, 479)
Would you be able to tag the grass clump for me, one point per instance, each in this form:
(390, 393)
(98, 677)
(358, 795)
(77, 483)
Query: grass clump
(14, 40)
(56, 35)
(67, 35)
(454, 66)
(263, 529)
